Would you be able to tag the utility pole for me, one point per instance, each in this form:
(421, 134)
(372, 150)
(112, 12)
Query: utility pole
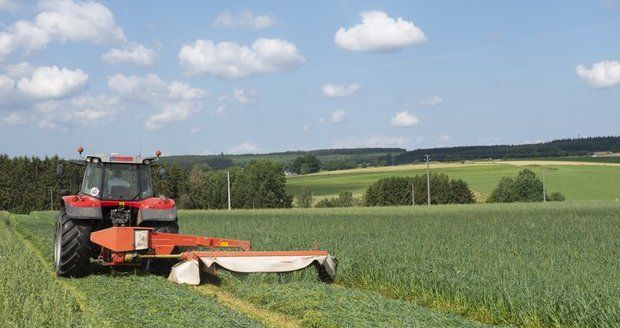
(412, 193)
(51, 199)
(544, 187)
(228, 184)
(428, 180)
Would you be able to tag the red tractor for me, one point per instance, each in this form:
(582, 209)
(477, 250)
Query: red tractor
(116, 191)
(116, 221)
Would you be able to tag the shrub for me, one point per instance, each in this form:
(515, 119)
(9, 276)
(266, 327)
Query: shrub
(526, 187)
(556, 197)
(398, 191)
(327, 202)
(344, 199)
(304, 198)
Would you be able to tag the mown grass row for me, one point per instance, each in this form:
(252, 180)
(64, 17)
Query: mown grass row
(316, 304)
(29, 295)
(106, 299)
(299, 295)
(524, 264)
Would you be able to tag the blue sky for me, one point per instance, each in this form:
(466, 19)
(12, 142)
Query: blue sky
(217, 76)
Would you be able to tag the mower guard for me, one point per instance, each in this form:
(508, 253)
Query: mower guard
(122, 246)
(188, 271)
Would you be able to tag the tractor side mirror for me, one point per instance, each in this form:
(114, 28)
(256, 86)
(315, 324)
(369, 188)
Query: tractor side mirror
(60, 170)
(161, 173)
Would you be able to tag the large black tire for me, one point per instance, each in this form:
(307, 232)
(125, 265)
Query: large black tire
(161, 266)
(72, 246)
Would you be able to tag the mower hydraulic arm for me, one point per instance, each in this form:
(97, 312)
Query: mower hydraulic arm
(129, 239)
(164, 243)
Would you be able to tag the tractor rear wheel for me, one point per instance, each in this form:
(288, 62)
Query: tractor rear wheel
(161, 266)
(72, 246)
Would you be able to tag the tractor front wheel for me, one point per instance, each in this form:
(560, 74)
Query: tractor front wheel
(161, 266)
(72, 246)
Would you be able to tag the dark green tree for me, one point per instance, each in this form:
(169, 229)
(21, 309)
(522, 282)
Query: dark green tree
(525, 187)
(260, 184)
(305, 164)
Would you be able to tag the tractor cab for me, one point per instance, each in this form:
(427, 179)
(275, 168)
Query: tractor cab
(115, 177)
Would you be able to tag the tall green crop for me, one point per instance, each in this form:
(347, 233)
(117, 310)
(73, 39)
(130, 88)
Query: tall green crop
(524, 264)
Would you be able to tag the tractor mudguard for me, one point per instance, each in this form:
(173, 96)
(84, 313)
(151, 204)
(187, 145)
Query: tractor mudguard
(82, 208)
(152, 214)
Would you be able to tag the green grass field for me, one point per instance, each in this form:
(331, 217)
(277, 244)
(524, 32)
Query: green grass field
(576, 182)
(532, 265)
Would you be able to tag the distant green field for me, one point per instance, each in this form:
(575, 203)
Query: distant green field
(575, 182)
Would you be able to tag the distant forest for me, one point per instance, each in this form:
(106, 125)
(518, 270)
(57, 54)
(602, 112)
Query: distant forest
(555, 148)
(338, 159)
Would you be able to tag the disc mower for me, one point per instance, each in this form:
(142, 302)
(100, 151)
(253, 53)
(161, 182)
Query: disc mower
(116, 221)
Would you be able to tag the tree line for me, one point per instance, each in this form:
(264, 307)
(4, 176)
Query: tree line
(556, 148)
(30, 184)
(397, 191)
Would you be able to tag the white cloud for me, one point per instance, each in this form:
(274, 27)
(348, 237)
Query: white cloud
(339, 91)
(221, 109)
(8, 4)
(432, 101)
(337, 116)
(95, 110)
(171, 113)
(244, 19)
(151, 88)
(445, 138)
(13, 118)
(47, 125)
(20, 70)
(81, 110)
(52, 82)
(63, 21)
(243, 148)
(603, 74)
(404, 119)
(373, 141)
(135, 53)
(243, 97)
(379, 32)
(176, 101)
(6, 84)
(229, 60)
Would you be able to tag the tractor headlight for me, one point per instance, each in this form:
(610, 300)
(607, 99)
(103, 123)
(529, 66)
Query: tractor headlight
(140, 239)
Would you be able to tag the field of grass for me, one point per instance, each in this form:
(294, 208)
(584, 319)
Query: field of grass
(292, 300)
(576, 182)
(533, 265)
(524, 264)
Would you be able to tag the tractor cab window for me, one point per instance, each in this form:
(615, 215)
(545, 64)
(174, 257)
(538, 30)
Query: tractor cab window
(117, 181)
(91, 185)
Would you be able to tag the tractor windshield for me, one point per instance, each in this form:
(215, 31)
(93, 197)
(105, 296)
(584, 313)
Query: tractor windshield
(117, 181)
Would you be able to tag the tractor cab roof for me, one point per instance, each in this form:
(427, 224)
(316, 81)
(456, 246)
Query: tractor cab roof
(120, 159)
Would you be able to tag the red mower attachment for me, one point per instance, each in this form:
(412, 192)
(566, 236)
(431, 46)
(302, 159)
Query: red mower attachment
(129, 245)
